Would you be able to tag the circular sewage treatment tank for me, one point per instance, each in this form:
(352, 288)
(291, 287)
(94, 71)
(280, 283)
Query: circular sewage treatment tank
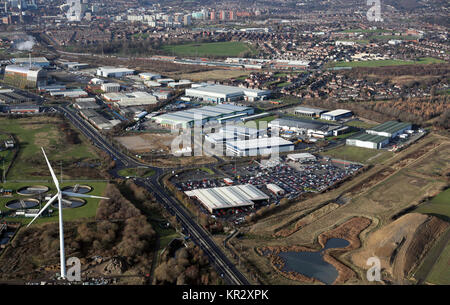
(22, 204)
(70, 203)
(80, 189)
(33, 190)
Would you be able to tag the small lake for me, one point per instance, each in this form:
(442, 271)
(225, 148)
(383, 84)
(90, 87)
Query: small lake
(5, 237)
(311, 264)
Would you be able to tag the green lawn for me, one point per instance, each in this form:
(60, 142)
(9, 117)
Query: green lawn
(136, 172)
(360, 124)
(439, 205)
(207, 170)
(365, 31)
(34, 133)
(228, 48)
(283, 84)
(252, 124)
(389, 37)
(356, 154)
(440, 274)
(87, 211)
(388, 62)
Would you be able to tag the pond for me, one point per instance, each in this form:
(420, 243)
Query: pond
(311, 264)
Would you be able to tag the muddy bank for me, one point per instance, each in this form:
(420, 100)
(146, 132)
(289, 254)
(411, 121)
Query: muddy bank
(349, 231)
(401, 245)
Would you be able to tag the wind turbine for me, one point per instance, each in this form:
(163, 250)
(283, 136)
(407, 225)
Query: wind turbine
(59, 196)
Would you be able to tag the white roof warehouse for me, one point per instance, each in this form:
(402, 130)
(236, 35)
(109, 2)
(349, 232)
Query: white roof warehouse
(222, 93)
(260, 146)
(228, 196)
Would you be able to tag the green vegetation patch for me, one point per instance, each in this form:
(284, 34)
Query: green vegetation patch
(365, 31)
(388, 62)
(360, 124)
(439, 205)
(355, 154)
(34, 133)
(440, 274)
(137, 172)
(207, 170)
(87, 211)
(228, 48)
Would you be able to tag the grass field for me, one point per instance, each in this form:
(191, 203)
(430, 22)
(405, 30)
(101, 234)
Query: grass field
(439, 205)
(87, 211)
(283, 84)
(34, 133)
(207, 170)
(388, 62)
(136, 172)
(365, 31)
(357, 154)
(227, 48)
(389, 37)
(217, 74)
(360, 124)
(256, 123)
(440, 273)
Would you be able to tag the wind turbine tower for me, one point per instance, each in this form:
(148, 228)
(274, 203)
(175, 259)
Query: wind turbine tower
(59, 196)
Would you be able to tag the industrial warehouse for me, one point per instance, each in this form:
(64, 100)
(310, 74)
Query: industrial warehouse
(260, 146)
(25, 76)
(336, 115)
(379, 136)
(307, 127)
(221, 93)
(185, 119)
(390, 129)
(309, 112)
(123, 100)
(220, 198)
(114, 72)
(33, 61)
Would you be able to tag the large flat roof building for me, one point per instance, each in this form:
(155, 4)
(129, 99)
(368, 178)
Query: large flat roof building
(260, 146)
(390, 129)
(25, 76)
(137, 98)
(35, 61)
(310, 112)
(367, 141)
(227, 197)
(304, 126)
(185, 118)
(243, 132)
(222, 93)
(336, 115)
(114, 72)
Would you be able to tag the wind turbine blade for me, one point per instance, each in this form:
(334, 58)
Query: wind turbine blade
(55, 180)
(82, 195)
(43, 209)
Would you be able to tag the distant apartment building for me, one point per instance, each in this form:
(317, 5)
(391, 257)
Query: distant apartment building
(187, 20)
(222, 15)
